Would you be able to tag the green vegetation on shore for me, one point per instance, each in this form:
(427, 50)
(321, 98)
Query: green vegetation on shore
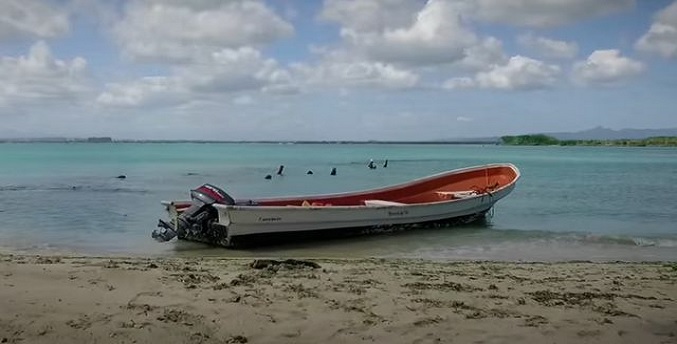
(530, 140)
(545, 140)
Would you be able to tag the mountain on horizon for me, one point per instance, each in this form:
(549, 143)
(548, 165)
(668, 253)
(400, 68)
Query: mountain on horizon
(601, 133)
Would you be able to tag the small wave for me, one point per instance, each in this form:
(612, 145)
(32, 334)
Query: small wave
(74, 188)
(587, 238)
(656, 242)
(14, 188)
(194, 174)
(628, 240)
(104, 189)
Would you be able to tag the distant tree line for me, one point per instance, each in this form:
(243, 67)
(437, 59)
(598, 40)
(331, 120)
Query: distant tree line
(530, 140)
(545, 140)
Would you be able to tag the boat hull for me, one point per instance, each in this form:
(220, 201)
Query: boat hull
(220, 235)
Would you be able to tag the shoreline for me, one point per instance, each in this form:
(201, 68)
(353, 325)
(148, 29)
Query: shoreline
(584, 248)
(78, 299)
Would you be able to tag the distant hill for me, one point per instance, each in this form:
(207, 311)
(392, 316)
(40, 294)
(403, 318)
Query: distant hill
(601, 133)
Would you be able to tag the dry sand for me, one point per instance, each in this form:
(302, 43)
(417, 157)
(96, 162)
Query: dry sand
(133, 300)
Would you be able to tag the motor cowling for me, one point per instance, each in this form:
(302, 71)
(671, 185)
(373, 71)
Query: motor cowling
(199, 215)
(210, 194)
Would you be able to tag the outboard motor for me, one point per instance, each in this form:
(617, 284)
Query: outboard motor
(197, 217)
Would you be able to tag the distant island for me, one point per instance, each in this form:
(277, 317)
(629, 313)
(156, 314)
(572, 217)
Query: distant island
(546, 140)
(102, 139)
(99, 139)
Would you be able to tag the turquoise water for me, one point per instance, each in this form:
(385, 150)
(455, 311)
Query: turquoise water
(590, 203)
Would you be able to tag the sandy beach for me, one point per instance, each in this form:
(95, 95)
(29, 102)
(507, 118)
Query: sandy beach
(52, 299)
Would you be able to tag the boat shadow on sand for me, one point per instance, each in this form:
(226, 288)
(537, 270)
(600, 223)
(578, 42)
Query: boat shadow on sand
(307, 239)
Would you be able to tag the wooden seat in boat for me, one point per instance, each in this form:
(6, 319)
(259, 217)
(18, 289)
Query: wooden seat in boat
(456, 194)
(380, 203)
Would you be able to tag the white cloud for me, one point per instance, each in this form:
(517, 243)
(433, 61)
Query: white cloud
(540, 14)
(233, 70)
(180, 31)
(103, 14)
(370, 16)
(464, 119)
(159, 91)
(661, 38)
(40, 77)
(459, 83)
(381, 15)
(435, 36)
(388, 43)
(485, 54)
(439, 32)
(32, 18)
(282, 88)
(360, 73)
(228, 71)
(244, 99)
(547, 47)
(520, 73)
(606, 67)
(213, 46)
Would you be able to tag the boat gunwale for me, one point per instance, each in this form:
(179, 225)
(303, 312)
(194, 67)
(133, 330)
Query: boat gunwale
(352, 207)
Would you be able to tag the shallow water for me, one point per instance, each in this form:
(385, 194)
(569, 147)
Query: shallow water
(580, 203)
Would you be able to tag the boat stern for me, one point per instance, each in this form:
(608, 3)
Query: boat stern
(198, 219)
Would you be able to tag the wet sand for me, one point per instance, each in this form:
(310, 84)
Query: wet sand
(51, 299)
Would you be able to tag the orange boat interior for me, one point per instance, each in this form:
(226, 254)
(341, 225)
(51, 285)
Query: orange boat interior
(435, 189)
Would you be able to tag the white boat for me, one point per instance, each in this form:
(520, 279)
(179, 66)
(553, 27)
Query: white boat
(452, 197)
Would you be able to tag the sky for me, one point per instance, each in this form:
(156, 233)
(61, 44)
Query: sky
(334, 69)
